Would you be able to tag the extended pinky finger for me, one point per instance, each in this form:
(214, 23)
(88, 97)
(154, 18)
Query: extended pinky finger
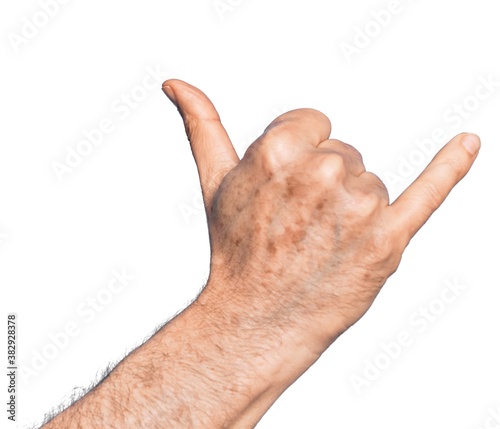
(417, 203)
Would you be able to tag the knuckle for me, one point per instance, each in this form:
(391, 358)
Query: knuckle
(377, 186)
(353, 152)
(330, 167)
(274, 149)
(433, 194)
(190, 125)
(382, 247)
(317, 116)
(314, 116)
(453, 168)
(366, 204)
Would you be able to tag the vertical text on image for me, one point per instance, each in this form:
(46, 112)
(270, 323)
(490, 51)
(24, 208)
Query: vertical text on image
(12, 367)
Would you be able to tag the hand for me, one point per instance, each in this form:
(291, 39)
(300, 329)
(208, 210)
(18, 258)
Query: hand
(302, 236)
(302, 239)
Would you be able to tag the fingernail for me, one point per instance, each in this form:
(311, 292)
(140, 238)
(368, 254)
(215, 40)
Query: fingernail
(169, 92)
(472, 143)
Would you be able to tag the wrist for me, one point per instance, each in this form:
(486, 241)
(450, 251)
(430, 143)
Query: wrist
(264, 357)
(259, 305)
(268, 353)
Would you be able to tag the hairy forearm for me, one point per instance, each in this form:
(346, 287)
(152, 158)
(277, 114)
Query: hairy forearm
(302, 239)
(208, 368)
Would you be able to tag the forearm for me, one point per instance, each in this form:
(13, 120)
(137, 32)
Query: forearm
(207, 368)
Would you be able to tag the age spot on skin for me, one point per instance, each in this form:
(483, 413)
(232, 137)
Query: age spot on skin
(290, 189)
(298, 237)
(271, 247)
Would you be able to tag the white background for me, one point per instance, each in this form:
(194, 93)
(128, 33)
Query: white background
(133, 204)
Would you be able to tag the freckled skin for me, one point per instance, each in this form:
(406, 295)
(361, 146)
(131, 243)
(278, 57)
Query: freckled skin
(302, 239)
(302, 236)
(310, 222)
